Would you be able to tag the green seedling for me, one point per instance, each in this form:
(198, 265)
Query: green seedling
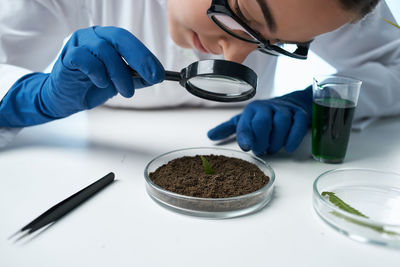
(207, 167)
(335, 200)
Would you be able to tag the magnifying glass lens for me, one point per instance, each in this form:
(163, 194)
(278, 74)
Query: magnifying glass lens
(216, 80)
(223, 85)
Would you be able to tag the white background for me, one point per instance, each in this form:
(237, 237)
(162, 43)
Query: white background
(302, 71)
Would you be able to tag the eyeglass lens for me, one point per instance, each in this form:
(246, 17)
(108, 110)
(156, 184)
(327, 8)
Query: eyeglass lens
(291, 48)
(236, 29)
(233, 27)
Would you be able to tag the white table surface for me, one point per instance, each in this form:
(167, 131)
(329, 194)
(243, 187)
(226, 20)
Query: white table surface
(122, 226)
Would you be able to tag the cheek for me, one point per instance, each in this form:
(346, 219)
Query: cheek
(187, 16)
(189, 11)
(177, 32)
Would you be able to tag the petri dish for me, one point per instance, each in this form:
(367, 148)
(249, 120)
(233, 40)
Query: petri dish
(211, 208)
(374, 194)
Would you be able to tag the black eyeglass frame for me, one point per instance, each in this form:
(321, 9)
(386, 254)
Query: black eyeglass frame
(221, 7)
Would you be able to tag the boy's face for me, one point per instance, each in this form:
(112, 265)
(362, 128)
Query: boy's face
(295, 20)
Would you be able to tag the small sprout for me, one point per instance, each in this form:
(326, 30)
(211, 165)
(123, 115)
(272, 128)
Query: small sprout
(207, 167)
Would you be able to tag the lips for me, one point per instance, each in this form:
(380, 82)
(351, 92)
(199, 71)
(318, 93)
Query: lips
(197, 44)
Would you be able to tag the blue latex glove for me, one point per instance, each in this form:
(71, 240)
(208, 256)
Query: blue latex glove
(89, 71)
(265, 126)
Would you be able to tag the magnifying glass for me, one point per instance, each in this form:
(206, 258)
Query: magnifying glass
(216, 80)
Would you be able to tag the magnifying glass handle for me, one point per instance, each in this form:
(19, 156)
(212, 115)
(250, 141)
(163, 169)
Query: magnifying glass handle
(169, 75)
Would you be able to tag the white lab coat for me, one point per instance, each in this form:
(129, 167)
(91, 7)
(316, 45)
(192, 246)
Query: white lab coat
(32, 33)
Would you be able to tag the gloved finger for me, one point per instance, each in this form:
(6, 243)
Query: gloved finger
(298, 130)
(244, 132)
(281, 126)
(134, 52)
(261, 125)
(140, 83)
(98, 96)
(117, 70)
(79, 58)
(224, 130)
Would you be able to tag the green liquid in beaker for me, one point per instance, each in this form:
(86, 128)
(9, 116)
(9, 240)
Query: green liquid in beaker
(331, 126)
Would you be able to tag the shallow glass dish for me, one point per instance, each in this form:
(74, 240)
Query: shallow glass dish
(213, 208)
(373, 193)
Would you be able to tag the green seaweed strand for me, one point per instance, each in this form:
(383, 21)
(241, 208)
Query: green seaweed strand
(207, 167)
(379, 229)
(335, 200)
(341, 204)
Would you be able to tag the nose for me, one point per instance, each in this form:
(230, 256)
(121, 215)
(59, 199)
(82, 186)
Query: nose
(235, 50)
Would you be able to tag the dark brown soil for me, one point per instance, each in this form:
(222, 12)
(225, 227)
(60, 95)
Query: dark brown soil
(233, 177)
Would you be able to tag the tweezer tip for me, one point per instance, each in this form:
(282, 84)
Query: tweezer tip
(23, 233)
(14, 234)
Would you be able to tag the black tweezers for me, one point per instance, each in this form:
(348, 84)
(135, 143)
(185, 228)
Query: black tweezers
(59, 210)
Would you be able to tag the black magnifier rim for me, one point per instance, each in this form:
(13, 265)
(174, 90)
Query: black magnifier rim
(221, 68)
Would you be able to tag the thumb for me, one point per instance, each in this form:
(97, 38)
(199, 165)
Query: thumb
(224, 130)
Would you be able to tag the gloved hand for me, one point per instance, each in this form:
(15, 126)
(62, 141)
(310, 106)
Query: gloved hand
(265, 126)
(89, 71)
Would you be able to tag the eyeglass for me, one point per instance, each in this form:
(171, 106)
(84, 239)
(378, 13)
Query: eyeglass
(222, 14)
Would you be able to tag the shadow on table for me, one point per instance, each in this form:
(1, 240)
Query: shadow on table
(380, 139)
(78, 144)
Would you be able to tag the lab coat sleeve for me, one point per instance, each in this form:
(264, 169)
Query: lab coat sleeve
(368, 50)
(31, 35)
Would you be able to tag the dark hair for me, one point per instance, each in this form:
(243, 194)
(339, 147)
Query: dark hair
(362, 7)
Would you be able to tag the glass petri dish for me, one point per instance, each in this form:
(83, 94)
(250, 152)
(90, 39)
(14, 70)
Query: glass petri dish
(374, 194)
(212, 208)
